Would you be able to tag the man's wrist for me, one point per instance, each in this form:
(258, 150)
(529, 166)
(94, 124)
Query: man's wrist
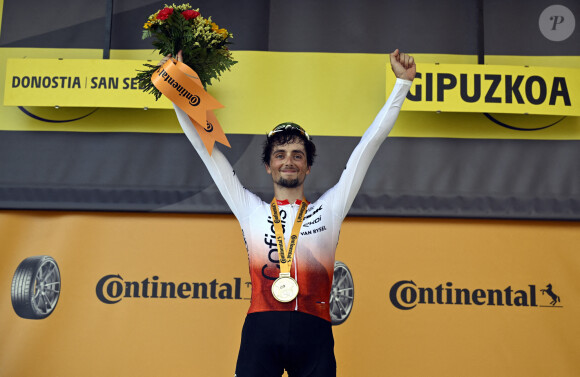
(404, 81)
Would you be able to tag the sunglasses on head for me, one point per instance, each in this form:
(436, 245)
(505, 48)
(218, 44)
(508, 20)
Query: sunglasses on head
(288, 126)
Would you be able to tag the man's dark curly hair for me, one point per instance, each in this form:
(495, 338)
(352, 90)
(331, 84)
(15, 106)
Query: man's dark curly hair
(285, 133)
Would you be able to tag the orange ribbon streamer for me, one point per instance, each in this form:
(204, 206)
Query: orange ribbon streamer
(182, 86)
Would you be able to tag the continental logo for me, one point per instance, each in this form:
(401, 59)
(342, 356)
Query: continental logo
(111, 289)
(406, 295)
(291, 247)
(193, 99)
(275, 215)
(492, 88)
(281, 246)
(271, 270)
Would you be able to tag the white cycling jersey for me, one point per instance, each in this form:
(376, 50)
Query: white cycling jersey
(313, 262)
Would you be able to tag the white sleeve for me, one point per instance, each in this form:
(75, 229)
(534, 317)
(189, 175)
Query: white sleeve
(341, 196)
(236, 196)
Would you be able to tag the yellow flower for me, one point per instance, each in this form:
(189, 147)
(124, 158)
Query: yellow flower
(214, 27)
(147, 25)
(223, 33)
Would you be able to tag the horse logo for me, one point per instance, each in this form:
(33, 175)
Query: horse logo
(548, 290)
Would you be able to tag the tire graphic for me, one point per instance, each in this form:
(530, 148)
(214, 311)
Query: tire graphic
(36, 287)
(341, 294)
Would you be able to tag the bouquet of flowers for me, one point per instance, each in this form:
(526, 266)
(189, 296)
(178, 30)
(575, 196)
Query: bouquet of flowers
(202, 42)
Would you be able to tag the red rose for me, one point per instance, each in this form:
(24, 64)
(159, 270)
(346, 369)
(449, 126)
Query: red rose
(190, 14)
(164, 13)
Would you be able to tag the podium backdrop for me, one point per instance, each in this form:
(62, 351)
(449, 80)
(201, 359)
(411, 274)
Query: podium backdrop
(514, 331)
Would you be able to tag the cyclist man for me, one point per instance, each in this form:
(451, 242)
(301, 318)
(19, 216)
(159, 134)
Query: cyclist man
(291, 243)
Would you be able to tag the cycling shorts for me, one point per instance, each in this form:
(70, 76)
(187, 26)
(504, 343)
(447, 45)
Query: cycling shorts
(274, 341)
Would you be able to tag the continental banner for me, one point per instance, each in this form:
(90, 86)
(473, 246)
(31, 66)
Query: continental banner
(493, 89)
(128, 294)
(77, 83)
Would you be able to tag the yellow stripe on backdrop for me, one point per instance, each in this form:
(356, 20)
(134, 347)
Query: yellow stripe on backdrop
(328, 93)
(78, 83)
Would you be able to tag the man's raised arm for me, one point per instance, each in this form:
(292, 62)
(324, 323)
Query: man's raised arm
(403, 66)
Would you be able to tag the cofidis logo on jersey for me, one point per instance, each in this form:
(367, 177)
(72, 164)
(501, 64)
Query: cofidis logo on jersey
(407, 295)
(494, 89)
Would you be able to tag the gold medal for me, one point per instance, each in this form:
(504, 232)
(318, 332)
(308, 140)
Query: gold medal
(285, 288)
